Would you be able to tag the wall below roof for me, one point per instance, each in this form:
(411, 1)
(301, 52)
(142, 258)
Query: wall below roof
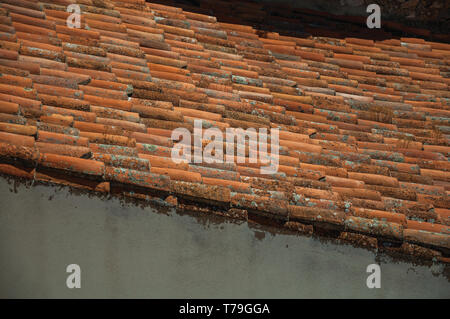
(126, 251)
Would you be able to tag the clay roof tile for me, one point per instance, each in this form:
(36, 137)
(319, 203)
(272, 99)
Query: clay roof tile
(363, 123)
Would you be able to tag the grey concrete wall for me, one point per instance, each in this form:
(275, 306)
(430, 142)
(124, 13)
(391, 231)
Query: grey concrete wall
(125, 251)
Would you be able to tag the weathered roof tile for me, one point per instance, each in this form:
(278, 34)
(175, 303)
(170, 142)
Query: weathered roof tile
(364, 124)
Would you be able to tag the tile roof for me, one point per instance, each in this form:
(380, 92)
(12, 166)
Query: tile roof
(364, 124)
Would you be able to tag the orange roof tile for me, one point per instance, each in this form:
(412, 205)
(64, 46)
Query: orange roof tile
(364, 123)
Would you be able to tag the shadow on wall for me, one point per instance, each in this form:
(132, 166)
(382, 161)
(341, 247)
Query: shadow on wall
(127, 251)
(337, 18)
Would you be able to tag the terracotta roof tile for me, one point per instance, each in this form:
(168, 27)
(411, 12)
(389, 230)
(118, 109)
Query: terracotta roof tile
(365, 132)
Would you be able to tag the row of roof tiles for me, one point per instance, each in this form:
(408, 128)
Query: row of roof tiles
(364, 125)
(287, 18)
